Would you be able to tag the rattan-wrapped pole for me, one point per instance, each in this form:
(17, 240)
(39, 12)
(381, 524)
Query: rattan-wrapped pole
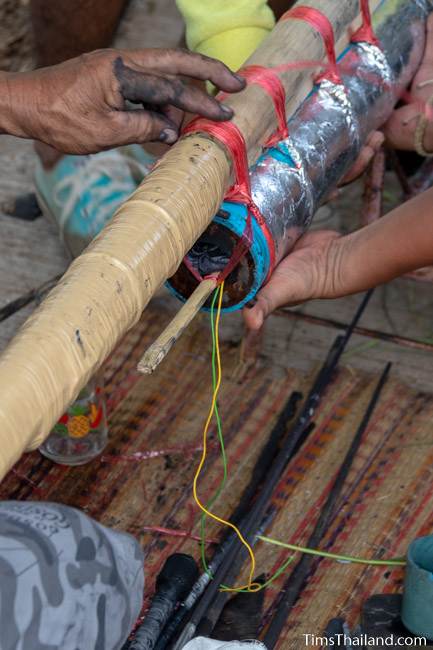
(105, 290)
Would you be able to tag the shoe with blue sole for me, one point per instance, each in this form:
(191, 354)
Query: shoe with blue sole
(80, 194)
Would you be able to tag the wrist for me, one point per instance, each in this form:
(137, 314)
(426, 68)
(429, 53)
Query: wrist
(332, 279)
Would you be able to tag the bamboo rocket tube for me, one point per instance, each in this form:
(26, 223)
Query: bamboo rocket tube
(105, 290)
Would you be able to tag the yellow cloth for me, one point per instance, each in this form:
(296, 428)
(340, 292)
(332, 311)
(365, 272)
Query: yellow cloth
(228, 30)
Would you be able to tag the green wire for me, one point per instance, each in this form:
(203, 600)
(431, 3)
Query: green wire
(220, 438)
(292, 547)
(268, 582)
(334, 556)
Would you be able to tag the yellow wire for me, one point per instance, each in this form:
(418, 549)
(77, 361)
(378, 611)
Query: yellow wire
(251, 585)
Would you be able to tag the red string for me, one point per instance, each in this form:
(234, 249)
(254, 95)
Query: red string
(323, 26)
(229, 134)
(365, 33)
(268, 79)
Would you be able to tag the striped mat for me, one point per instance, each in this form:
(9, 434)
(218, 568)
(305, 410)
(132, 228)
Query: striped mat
(387, 500)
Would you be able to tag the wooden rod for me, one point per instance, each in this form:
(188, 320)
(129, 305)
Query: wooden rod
(165, 341)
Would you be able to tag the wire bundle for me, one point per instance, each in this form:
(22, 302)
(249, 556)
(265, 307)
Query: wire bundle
(251, 586)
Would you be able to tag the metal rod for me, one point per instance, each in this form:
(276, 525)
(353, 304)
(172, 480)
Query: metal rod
(298, 577)
(404, 341)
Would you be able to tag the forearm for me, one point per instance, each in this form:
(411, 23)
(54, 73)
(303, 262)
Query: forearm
(6, 105)
(14, 103)
(398, 243)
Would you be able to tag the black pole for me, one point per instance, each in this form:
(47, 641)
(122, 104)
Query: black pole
(298, 577)
(259, 473)
(249, 527)
(16, 305)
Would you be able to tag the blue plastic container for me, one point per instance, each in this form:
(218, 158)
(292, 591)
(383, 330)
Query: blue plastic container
(417, 610)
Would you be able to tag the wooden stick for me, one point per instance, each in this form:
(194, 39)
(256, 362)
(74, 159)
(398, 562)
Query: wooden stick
(165, 341)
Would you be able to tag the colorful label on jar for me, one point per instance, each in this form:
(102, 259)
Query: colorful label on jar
(79, 421)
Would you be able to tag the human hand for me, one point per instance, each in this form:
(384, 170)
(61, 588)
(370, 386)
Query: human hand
(371, 147)
(309, 271)
(401, 128)
(80, 106)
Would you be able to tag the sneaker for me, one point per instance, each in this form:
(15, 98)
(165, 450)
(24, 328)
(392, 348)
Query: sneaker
(81, 193)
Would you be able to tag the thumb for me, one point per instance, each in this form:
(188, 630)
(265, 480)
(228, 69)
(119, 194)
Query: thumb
(255, 316)
(282, 289)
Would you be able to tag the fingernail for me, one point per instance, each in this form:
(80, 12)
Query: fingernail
(226, 109)
(168, 136)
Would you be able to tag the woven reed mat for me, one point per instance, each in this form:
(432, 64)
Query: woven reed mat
(387, 499)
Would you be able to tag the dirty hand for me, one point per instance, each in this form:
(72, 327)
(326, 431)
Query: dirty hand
(80, 106)
(308, 272)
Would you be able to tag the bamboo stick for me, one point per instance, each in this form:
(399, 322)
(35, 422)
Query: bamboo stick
(172, 333)
(104, 292)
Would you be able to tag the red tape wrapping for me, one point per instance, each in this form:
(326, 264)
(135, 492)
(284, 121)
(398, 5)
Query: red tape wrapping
(230, 136)
(268, 79)
(323, 26)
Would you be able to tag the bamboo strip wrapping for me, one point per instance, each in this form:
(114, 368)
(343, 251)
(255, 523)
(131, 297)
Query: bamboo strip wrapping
(105, 290)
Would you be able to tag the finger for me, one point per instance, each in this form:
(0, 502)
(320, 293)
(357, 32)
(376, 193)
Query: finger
(421, 89)
(372, 146)
(254, 317)
(375, 140)
(189, 64)
(294, 279)
(140, 126)
(175, 115)
(400, 129)
(284, 288)
(144, 88)
(428, 52)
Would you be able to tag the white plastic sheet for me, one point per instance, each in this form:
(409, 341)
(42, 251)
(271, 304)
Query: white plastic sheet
(200, 643)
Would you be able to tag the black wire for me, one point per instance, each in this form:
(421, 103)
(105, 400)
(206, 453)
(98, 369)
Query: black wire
(295, 434)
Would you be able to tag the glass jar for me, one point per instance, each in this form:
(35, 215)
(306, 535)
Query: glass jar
(81, 434)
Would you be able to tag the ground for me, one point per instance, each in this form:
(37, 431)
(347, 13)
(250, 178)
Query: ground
(31, 253)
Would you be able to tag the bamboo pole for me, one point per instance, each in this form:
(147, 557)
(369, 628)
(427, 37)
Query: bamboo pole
(105, 290)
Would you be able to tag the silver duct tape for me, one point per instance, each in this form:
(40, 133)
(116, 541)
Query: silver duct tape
(291, 180)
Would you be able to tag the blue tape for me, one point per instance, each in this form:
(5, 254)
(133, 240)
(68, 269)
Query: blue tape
(235, 217)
